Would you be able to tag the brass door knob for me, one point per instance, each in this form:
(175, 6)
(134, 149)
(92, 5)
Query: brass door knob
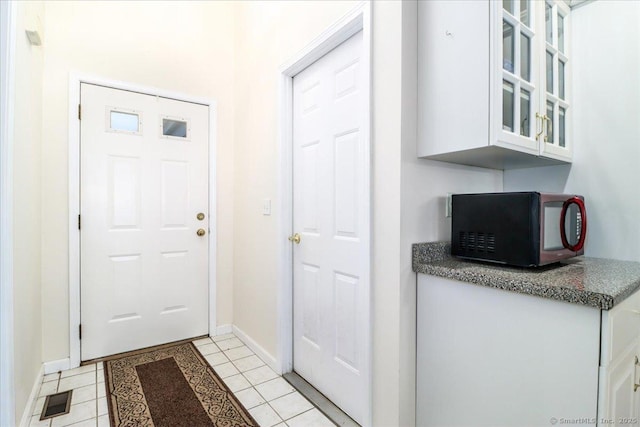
(295, 238)
(201, 232)
(200, 216)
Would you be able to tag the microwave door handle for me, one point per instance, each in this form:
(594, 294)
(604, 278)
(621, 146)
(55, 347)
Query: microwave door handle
(583, 226)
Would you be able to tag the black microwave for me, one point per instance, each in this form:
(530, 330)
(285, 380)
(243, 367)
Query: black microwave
(526, 229)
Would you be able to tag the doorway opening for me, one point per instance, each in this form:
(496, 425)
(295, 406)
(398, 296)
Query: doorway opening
(325, 191)
(172, 128)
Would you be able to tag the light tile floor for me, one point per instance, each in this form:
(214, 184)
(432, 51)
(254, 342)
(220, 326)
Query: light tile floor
(270, 399)
(88, 401)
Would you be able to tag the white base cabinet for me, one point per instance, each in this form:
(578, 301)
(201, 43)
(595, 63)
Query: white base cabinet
(488, 357)
(619, 399)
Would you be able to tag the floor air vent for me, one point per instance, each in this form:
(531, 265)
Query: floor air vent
(56, 404)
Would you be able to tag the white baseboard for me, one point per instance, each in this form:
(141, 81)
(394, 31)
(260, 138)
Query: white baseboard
(258, 350)
(223, 329)
(31, 402)
(56, 365)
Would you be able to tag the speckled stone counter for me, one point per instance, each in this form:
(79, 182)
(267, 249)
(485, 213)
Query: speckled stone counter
(595, 282)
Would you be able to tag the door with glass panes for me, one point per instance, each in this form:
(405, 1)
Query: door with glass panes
(144, 244)
(533, 79)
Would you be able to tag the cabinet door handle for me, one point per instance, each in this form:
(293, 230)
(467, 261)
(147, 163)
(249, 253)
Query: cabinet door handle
(542, 127)
(546, 128)
(635, 383)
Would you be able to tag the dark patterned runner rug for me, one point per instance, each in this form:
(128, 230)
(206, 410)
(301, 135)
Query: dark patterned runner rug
(170, 386)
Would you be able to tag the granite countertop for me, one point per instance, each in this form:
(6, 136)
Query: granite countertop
(595, 282)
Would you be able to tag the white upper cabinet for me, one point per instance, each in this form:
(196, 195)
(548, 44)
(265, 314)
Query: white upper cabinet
(493, 82)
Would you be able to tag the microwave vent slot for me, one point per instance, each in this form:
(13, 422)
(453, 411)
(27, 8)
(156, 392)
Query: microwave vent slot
(477, 242)
(491, 243)
(481, 242)
(471, 242)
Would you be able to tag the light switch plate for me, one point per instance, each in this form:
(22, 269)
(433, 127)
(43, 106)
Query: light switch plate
(266, 207)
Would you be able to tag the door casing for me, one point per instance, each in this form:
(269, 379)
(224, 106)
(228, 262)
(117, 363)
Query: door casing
(8, 18)
(75, 79)
(358, 19)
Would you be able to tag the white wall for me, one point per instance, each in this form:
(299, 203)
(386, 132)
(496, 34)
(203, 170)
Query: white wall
(232, 53)
(424, 186)
(408, 193)
(606, 131)
(386, 139)
(27, 206)
(267, 35)
(180, 46)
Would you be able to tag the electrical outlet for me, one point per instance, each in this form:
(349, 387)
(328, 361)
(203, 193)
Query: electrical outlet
(447, 206)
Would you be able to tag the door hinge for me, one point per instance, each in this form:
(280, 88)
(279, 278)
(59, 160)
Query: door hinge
(79, 112)
(78, 222)
(80, 331)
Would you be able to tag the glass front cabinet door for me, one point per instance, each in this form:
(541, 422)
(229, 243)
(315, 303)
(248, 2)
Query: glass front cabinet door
(531, 68)
(494, 86)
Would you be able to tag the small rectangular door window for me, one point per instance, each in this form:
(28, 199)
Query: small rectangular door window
(561, 127)
(549, 68)
(561, 79)
(525, 68)
(560, 33)
(524, 12)
(525, 109)
(123, 121)
(550, 136)
(507, 47)
(507, 105)
(177, 128)
(509, 6)
(548, 13)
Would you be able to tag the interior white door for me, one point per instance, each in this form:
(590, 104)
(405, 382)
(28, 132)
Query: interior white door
(144, 180)
(331, 213)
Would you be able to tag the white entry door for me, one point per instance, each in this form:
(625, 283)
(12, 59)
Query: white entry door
(331, 214)
(143, 197)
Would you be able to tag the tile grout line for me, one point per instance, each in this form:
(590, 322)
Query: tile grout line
(295, 390)
(253, 386)
(268, 402)
(57, 389)
(245, 357)
(300, 413)
(304, 412)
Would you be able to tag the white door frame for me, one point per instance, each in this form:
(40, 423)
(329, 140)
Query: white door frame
(7, 104)
(75, 80)
(358, 19)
